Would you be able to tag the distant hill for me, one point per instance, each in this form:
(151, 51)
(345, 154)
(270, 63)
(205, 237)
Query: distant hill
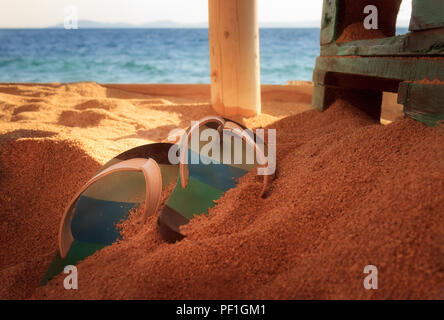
(88, 24)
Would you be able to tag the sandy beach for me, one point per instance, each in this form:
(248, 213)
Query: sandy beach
(348, 192)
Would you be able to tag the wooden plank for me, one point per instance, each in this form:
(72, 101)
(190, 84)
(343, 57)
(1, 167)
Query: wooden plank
(269, 92)
(427, 14)
(375, 47)
(354, 81)
(401, 68)
(200, 91)
(424, 43)
(329, 21)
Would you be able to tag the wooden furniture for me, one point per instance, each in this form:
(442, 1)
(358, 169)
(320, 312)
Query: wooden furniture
(358, 64)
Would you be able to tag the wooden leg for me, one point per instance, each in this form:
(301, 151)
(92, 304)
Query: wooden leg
(369, 101)
(423, 102)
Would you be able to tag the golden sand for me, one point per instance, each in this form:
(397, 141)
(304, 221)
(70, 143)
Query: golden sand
(54, 137)
(107, 121)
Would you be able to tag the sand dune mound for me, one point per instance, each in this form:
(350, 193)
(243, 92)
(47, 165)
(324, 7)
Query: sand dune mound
(348, 193)
(26, 108)
(38, 176)
(85, 89)
(25, 90)
(106, 104)
(29, 111)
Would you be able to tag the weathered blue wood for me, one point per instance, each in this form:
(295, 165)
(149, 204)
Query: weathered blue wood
(385, 67)
(423, 102)
(382, 64)
(329, 21)
(427, 14)
(424, 43)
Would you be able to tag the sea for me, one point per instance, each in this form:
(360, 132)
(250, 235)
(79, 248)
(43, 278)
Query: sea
(143, 55)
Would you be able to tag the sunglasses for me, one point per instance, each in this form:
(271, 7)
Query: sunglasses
(137, 178)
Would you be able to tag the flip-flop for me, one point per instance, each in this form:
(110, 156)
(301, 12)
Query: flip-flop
(200, 184)
(89, 222)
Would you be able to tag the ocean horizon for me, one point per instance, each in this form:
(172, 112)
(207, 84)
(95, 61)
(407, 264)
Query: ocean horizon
(163, 55)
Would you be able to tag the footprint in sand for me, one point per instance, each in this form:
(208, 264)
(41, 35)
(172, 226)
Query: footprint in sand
(28, 111)
(22, 117)
(26, 108)
(24, 133)
(82, 119)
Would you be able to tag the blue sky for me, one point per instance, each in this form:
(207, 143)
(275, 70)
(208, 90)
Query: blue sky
(43, 13)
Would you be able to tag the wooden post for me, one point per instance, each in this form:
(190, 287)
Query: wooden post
(234, 57)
